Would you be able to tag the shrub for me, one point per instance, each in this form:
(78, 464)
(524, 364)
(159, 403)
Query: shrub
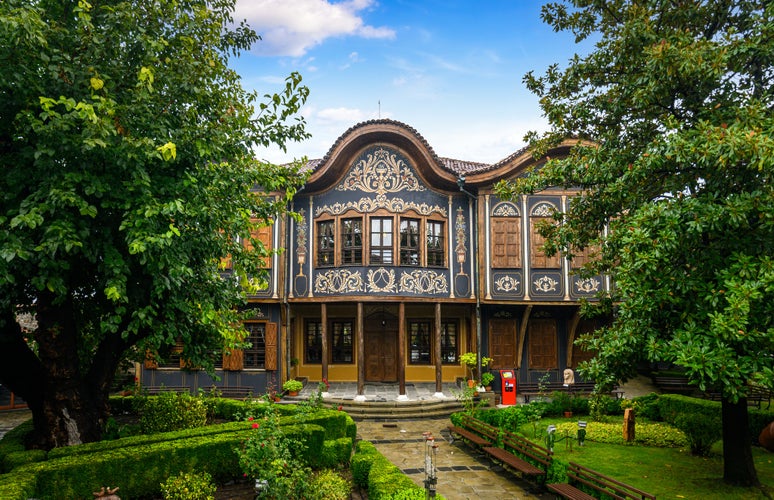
(274, 457)
(647, 407)
(170, 411)
(187, 486)
(328, 485)
(701, 430)
(293, 385)
(365, 453)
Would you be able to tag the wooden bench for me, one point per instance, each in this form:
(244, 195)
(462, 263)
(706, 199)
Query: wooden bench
(476, 431)
(233, 392)
(755, 397)
(522, 455)
(158, 389)
(676, 385)
(530, 389)
(579, 477)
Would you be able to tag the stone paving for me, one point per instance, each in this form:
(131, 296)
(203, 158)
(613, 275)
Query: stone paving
(462, 473)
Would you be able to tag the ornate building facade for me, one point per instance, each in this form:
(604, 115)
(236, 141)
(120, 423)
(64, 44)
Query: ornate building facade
(400, 262)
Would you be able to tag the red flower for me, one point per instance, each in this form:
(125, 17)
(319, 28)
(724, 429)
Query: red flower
(340, 407)
(250, 419)
(255, 426)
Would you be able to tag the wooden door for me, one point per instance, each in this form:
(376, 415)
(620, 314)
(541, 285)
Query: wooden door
(542, 344)
(502, 343)
(381, 348)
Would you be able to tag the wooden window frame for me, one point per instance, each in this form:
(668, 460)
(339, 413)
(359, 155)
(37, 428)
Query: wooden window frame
(351, 252)
(437, 249)
(382, 248)
(339, 355)
(316, 324)
(325, 257)
(423, 328)
(255, 355)
(405, 248)
(445, 349)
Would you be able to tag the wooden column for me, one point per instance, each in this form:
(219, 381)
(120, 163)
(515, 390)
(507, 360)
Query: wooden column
(437, 349)
(324, 331)
(360, 350)
(402, 349)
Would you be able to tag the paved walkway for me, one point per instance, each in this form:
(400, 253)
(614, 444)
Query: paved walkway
(462, 474)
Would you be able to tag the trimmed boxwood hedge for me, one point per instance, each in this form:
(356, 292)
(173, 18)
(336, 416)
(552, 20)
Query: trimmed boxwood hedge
(137, 465)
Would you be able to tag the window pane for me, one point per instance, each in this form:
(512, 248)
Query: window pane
(352, 241)
(435, 244)
(313, 348)
(419, 335)
(341, 342)
(409, 242)
(449, 343)
(381, 240)
(255, 355)
(325, 243)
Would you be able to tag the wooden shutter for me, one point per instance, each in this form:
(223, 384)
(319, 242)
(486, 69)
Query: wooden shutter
(506, 243)
(233, 361)
(150, 361)
(538, 257)
(271, 346)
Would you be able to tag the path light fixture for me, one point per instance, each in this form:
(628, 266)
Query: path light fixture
(581, 432)
(550, 437)
(431, 478)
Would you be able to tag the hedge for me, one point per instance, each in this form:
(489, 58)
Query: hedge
(139, 464)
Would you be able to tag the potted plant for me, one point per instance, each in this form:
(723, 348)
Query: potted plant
(292, 387)
(486, 380)
(469, 361)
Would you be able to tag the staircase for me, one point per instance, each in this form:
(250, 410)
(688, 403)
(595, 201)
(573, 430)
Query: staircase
(395, 410)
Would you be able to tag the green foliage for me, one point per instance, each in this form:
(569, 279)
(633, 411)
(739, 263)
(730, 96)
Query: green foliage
(138, 464)
(271, 455)
(646, 406)
(129, 174)
(293, 385)
(365, 453)
(329, 485)
(656, 434)
(385, 480)
(13, 441)
(675, 162)
(188, 486)
(702, 432)
(470, 399)
(170, 411)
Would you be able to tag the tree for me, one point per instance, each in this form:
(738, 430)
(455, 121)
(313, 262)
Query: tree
(672, 110)
(127, 148)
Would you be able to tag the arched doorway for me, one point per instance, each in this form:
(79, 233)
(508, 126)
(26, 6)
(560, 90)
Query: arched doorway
(380, 331)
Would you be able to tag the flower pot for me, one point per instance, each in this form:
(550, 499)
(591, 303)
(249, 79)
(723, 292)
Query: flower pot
(292, 393)
(567, 414)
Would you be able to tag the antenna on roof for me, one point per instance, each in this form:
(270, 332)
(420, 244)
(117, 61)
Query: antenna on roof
(380, 108)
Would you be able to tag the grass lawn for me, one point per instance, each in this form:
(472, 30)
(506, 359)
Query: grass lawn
(665, 472)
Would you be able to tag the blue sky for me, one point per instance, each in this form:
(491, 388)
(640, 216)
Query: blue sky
(451, 69)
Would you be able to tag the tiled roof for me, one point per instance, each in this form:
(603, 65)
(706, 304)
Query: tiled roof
(450, 164)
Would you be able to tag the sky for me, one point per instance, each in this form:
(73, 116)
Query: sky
(451, 69)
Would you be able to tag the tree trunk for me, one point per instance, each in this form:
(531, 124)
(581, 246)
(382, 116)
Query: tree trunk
(738, 465)
(67, 394)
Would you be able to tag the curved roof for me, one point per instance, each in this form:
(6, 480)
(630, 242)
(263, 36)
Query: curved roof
(442, 172)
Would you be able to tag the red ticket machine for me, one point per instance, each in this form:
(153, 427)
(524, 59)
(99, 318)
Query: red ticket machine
(508, 394)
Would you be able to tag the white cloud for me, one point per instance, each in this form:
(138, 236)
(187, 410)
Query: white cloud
(291, 27)
(343, 116)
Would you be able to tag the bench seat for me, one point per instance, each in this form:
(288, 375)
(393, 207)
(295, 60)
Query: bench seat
(513, 461)
(476, 431)
(579, 477)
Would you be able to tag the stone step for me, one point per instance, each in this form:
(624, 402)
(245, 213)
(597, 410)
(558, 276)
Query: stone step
(403, 410)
